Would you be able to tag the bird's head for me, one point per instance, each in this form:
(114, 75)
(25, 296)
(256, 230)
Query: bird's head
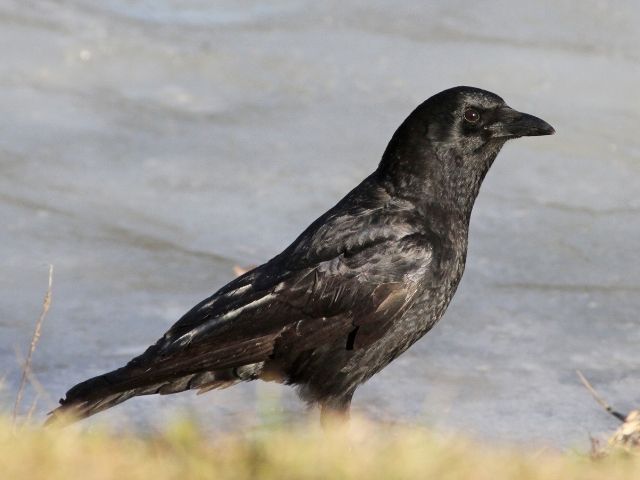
(446, 145)
(468, 121)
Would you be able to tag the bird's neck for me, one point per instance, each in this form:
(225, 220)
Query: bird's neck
(434, 175)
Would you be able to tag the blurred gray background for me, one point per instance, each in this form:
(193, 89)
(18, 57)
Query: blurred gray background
(147, 147)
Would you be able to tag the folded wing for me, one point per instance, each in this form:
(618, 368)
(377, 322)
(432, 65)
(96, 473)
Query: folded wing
(323, 289)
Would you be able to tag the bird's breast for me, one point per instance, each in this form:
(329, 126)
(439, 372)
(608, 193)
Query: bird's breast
(439, 283)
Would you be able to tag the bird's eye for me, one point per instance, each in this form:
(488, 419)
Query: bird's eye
(471, 115)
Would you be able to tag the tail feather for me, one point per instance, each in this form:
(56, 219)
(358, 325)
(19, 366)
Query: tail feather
(110, 389)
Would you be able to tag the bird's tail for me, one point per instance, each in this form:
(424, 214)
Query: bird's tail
(105, 391)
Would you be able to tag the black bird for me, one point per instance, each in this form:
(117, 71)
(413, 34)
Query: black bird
(357, 288)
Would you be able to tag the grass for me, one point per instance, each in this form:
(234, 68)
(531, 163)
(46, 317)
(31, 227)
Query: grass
(365, 450)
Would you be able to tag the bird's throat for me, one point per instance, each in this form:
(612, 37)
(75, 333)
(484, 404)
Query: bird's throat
(439, 177)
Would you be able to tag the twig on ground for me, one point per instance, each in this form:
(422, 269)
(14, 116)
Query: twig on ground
(34, 404)
(627, 436)
(33, 380)
(26, 368)
(599, 399)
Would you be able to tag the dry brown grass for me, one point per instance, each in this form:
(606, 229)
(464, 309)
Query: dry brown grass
(27, 374)
(366, 450)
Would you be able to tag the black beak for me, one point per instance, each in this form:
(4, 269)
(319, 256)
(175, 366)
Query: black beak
(513, 124)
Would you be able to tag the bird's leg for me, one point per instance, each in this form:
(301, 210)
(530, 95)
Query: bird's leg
(335, 411)
(330, 416)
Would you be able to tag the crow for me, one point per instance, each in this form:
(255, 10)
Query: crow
(357, 288)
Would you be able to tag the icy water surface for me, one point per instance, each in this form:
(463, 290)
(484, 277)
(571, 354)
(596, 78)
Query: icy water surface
(148, 147)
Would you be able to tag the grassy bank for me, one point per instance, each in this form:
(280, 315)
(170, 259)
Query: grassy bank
(367, 451)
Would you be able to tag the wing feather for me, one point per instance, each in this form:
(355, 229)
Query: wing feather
(347, 272)
(367, 289)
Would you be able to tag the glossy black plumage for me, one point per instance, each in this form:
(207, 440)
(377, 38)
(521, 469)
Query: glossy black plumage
(358, 287)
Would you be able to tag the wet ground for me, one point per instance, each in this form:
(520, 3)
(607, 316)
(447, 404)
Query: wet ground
(148, 147)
